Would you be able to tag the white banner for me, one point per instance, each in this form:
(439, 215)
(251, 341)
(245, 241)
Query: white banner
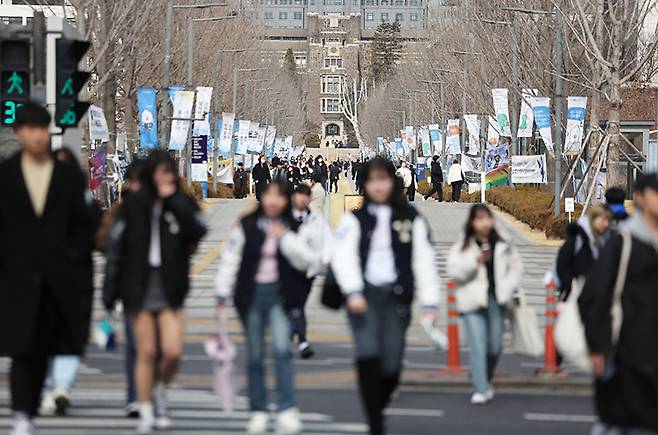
(254, 145)
(526, 118)
(576, 107)
(202, 110)
(225, 174)
(297, 150)
(453, 145)
(473, 128)
(541, 111)
(183, 102)
(98, 125)
(529, 169)
(226, 134)
(270, 136)
(288, 145)
(243, 136)
(435, 136)
(424, 134)
(493, 135)
(501, 108)
(471, 164)
(409, 138)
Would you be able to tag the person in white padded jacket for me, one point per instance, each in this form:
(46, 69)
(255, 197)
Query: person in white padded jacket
(488, 272)
(382, 258)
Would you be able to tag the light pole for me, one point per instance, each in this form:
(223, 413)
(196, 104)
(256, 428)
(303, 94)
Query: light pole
(465, 79)
(442, 97)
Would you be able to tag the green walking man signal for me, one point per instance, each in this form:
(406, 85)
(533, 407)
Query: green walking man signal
(15, 72)
(67, 90)
(15, 83)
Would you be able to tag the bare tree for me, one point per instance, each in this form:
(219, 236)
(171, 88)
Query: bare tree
(351, 94)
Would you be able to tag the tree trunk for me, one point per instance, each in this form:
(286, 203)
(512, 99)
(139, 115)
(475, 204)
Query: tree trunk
(614, 118)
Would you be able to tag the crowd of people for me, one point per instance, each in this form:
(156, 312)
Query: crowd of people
(379, 261)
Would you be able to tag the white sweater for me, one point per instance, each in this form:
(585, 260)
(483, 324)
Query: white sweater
(455, 173)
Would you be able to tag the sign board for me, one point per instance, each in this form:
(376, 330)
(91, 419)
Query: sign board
(569, 205)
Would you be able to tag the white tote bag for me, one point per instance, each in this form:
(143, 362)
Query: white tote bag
(569, 330)
(526, 336)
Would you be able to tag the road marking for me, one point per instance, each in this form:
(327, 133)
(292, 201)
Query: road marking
(404, 412)
(563, 418)
(200, 265)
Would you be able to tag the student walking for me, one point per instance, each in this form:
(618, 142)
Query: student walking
(382, 259)
(488, 271)
(623, 349)
(240, 180)
(155, 233)
(261, 174)
(258, 267)
(456, 180)
(334, 174)
(436, 174)
(46, 293)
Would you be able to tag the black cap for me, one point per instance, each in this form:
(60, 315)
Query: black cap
(647, 181)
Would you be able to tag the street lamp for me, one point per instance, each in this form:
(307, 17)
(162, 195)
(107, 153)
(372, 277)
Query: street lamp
(442, 96)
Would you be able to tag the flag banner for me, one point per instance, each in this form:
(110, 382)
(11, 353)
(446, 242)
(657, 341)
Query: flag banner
(270, 136)
(496, 157)
(525, 118)
(148, 120)
(260, 139)
(473, 128)
(497, 177)
(225, 174)
(183, 103)
(471, 164)
(410, 138)
(529, 169)
(541, 111)
(252, 142)
(576, 107)
(199, 158)
(453, 145)
(171, 91)
(280, 147)
(243, 136)
(297, 150)
(399, 148)
(98, 124)
(97, 168)
(288, 145)
(493, 135)
(380, 144)
(225, 128)
(421, 169)
(436, 136)
(424, 133)
(202, 110)
(501, 108)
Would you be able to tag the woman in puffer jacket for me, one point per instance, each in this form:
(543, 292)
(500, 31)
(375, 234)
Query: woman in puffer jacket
(488, 271)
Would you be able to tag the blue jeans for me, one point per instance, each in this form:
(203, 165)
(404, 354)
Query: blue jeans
(484, 328)
(129, 361)
(62, 372)
(266, 309)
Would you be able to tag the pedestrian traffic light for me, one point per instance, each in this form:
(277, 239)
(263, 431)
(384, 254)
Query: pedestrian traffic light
(15, 76)
(69, 80)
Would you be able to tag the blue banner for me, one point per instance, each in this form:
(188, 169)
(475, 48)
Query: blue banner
(420, 171)
(148, 117)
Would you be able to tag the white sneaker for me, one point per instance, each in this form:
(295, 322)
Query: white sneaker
(48, 406)
(162, 419)
(257, 423)
(490, 394)
(146, 423)
(22, 425)
(163, 422)
(478, 399)
(288, 422)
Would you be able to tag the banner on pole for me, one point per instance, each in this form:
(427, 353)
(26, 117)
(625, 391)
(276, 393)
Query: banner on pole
(473, 128)
(529, 169)
(203, 99)
(253, 142)
(541, 111)
(436, 137)
(183, 102)
(199, 158)
(288, 145)
(171, 91)
(410, 138)
(576, 107)
(501, 108)
(471, 164)
(526, 118)
(496, 157)
(493, 135)
(399, 148)
(225, 127)
(424, 134)
(97, 168)
(98, 124)
(453, 145)
(243, 136)
(148, 120)
(270, 136)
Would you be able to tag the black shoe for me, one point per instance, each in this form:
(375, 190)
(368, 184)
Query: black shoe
(132, 410)
(62, 402)
(306, 351)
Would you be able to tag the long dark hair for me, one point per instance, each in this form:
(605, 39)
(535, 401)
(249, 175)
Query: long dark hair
(397, 199)
(154, 160)
(469, 231)
(284, 189)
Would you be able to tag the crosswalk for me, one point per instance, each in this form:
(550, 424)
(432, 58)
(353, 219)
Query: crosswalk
(97, 411)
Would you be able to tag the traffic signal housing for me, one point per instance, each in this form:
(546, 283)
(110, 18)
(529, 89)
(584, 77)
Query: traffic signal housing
(15, 72)
(69, 81)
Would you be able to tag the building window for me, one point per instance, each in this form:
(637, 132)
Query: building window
(311, 2)
(334, 2)
(413, 16)
(331, 84)
(399, 2)
(370, 2)
(269, 15)
(413, 2)
(399, 17)
(298, 2)
(283, 15)
(298, 15)
(12, 20)
(330, 105)
(356, 2)
(383, 2)
(370, 16)
(300, 60)
(333, 62)
(385, 17)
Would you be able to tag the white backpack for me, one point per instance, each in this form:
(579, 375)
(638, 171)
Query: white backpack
(569, 330)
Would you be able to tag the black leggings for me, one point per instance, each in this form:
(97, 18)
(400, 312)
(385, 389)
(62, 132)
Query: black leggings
(436, 188)
(333, 183)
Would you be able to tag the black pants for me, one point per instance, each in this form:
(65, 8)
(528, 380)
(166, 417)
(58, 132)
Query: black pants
(297, 316)
(436, 188)
(457, 190)
(334, 183)
(29, 369)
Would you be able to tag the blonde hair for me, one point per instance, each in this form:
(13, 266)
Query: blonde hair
(593, 214)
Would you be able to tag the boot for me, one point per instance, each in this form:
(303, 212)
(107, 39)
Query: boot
(389, 385)
(370, 386)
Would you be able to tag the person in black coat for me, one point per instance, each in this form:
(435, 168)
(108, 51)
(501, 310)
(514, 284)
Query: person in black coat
(261, 175)
(46, 237)
(436, 173)
(321, 168)
(240, 182)
(334, 174)
(151, 242)
(626, 370)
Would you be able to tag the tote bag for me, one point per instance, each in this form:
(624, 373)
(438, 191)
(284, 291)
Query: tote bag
(569, 330)
(222, 353)
(526, 336)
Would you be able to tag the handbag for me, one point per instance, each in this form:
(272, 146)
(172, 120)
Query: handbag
(569, 330)
(222, 352)
(331, 296)
(526, 336)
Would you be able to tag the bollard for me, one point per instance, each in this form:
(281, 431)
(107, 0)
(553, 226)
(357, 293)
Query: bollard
(454, 364)
(550, 354)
